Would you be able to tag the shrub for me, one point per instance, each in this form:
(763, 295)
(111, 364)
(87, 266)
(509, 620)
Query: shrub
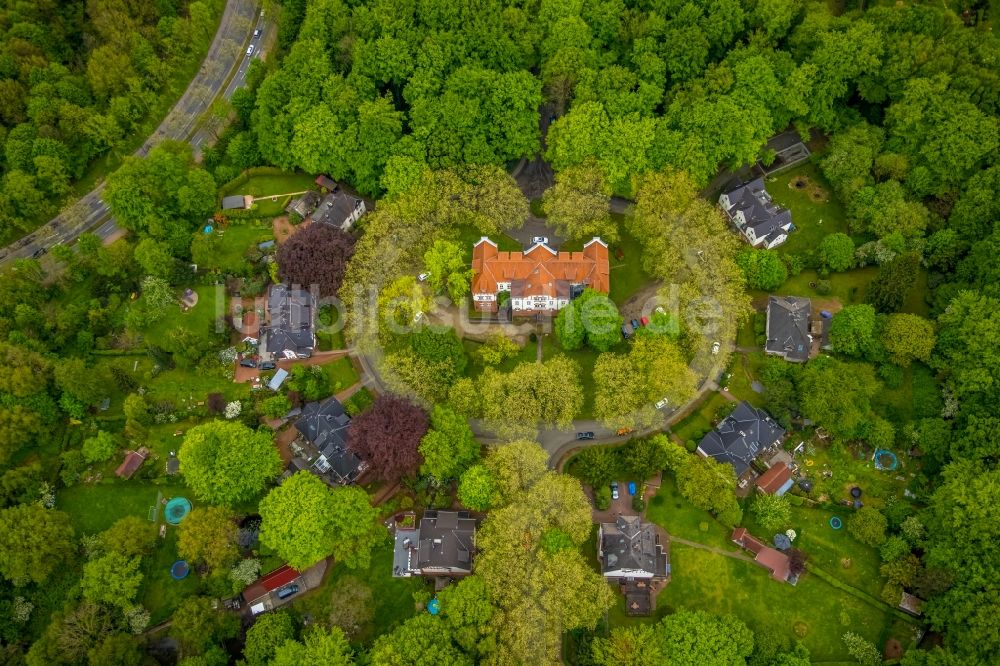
(638, 504)
(691, 446)
(823, 287)
(868, 526)
(602, 498)
(99, 448)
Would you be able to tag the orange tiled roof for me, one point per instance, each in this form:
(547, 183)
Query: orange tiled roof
(539, 268)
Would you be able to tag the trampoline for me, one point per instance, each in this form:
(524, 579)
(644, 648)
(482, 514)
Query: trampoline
(836, 523)
(885, 460)
(434, 607)
(208, 228)
(176, 510)
(179, 570)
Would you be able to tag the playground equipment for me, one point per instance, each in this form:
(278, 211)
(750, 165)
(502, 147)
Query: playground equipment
(434, 607)
(179, 570)
(836, 523)
(176, 510)
(885, 460)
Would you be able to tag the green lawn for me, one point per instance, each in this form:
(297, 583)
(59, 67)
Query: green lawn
(341, 373)
(272, 183)
(392, 597)
(160, 593)
(848, 288)
(199, 319)
(668, 509)
(813, 220)
(95, 507)
(234, 242)
(702, 419)
(627, 274)
(743, 369)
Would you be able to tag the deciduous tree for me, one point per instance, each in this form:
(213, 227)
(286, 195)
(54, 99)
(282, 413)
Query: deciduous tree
(448, 448)
(578, 204)
(315, 255)
(36, 542)
(907, 337)
(226, 462)
(268, 633)
(111, 579)
(318, 646)
(208, 535)
(868, 526)
(836, 251)
(388, 436)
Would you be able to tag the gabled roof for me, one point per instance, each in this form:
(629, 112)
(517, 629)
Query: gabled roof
(539, 269)
(303, 205)
(788, 327)
(269, 583)
(291, 320)
(761, 214)
(325, 425)
(133, 461)
(776, 480)
(628, 544)
(234, 202)
(740, 437)
(335, 209)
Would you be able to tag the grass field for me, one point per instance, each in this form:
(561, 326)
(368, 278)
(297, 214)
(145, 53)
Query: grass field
(813, 220)
(199, 319)
(743, 369)
(848, 288)
(95, 507)
(271, 184)
(341, 373)
(701, 420)
(392, 597)
(234, 242)
(668, 509)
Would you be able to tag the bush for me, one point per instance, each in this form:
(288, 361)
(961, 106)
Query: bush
(638, 504)
(892, 375)
(868, 526)
(691, 446)
(72, 465)
(823, 287)
(602, 498)
(359, 402)
(99, 448)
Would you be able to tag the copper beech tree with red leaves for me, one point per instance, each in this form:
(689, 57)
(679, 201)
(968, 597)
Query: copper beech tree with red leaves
(387, 436)
(315, 254)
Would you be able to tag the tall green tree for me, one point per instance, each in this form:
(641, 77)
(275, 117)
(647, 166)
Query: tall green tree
(37, 541)
(448, 447)
(226, 462)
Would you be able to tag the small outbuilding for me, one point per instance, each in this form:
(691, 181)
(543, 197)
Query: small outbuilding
(133, 461)
(279, 378)
(775, 481)
(237, 202)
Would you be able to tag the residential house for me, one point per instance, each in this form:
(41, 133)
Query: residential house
(304, 205)
(237, 202)
(325, 426)
(631, 554)
(339, 209)
(775, 481)
(539, 280)
(290, 330)
(260, 595)
(771, 559)
(740, 437)
(750, 209)
(443, 545)
(788, 333)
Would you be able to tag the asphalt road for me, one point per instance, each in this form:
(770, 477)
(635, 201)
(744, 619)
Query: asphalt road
(222, 72)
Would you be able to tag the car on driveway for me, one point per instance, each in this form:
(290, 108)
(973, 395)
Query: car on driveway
(660, 404)
(268, 365)
(423, 277)
(535, 240)
(716, 346)
(627, 330)
(585, 435)
(248, 363)
(635, 324)
(644, 321)
(288, 591)
(631, 487)
(614, 490)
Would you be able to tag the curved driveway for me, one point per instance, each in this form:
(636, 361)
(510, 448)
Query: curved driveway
(222, 71)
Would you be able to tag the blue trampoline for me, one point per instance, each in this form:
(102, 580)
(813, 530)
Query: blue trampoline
(434, 607)
(176, 510)
(885, 460)
(179, 570)
(836, 523)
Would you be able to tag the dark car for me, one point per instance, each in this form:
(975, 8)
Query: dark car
(585, 435)
(39, 252)
(268, 365)
(635, 323)
(287, 591)
(627, 330)
(248, 363)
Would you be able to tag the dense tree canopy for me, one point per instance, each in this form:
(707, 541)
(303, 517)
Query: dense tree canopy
(315, 255)
(226, 462)
(388, 436)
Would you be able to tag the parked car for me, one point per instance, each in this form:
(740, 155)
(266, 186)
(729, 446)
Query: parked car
(660, 404)
(288, 591)
(644, 321)
(250, 50)
(423, 277)
(614, 490)
(268, 365)
(631, 487)
(585, 435)
(716, 346)
(544, 240)
(39, 252)
(627, 330)
(659, 310)
(248, 363)
(256, 33)
(635, 323)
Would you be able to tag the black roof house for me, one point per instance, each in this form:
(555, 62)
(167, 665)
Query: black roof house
(788, 328)
(628, 548)
(325, 424)
(289, 333)
(443, 545)
(750, 208)
(741, 436)
(338, 209)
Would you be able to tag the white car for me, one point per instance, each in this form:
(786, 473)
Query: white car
(256, 33)
(250, 50)
(544, 240)
(614, 490)
(716, 346)
(423, 277)
(660, 404)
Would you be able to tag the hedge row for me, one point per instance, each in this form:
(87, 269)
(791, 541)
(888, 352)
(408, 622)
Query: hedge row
(855, 592)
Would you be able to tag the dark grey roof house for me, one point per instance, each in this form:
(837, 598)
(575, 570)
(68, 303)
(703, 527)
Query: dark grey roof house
(304, 205)
(324, 425)
(339, 209)
(762, 222)
(741, 436)
(629, 549)
(788, 328)
(235, 202)
(289, 332)
(443, 545)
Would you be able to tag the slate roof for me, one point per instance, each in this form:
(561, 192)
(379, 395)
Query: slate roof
(628, 544)
(335, 209)
(291, 321)
(444, 543)
(325, 425)
(788, 327)
(766, 218)
(303, 205)
(234, 202)
(741, 436)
